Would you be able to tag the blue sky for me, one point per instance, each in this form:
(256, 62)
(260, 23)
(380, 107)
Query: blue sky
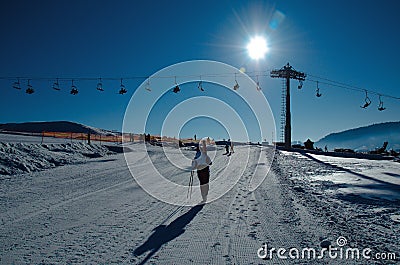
(354, 42)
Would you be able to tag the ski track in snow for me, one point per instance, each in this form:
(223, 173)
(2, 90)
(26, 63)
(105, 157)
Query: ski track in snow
(95, 213)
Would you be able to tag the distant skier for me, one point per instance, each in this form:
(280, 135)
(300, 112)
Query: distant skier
(226, 149)
(230, 144)
(201, 164)
(198, 153)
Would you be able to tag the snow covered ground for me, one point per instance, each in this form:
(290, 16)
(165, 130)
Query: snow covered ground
(20, 154)
(357, 198)
(93, 211)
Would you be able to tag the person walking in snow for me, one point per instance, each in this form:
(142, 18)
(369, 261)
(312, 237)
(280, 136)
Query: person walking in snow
(230, 145)
(201, 164)
(226, 148)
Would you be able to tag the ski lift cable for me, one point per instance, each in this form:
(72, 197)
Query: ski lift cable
(38, 78)
(354, 88)
(350, 87)
(254, 74)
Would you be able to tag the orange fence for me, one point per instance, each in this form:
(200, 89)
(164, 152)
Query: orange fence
(93, 137)
(117, 138)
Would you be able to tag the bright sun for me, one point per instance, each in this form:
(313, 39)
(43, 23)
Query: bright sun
(257, 48)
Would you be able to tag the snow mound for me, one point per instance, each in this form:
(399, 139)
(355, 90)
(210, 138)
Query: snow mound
(355, 198)
(16, 158)
(52, 126)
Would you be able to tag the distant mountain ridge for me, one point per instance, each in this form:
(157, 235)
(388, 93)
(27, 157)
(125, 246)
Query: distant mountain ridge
(52, 126)
(364, 138)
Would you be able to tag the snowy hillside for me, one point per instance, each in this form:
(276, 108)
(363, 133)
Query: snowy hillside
(53, 126)
(21, 157)
(94, 212)
(364, 138)
(22, 154)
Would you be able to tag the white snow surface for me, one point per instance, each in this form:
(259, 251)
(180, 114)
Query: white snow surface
(20, 157)
(93, 212)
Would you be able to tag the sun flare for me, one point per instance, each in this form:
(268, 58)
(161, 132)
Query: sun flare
(257, 48)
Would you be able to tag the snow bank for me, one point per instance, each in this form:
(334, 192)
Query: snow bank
(52, 126)
(18, 158)
(357, 198)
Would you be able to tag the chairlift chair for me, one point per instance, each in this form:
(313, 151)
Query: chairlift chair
(300, 86)
(29, 89)
(367, 101)
(176, 89)
(56, 85)
(148, 88)
(258, 84)
(318, 94)
(236, 86)
(74, 89)
(200, 86)
(100, 85)
(380, 106)
(122, 89)
(17, 84)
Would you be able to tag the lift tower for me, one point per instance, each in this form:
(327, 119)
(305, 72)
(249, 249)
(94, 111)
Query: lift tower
(288, 73)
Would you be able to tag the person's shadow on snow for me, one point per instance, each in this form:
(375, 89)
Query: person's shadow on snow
(164, 233)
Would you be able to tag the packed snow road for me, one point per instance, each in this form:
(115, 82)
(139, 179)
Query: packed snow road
(96, 213)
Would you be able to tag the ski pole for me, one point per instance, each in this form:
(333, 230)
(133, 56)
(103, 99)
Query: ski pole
(189, 194)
